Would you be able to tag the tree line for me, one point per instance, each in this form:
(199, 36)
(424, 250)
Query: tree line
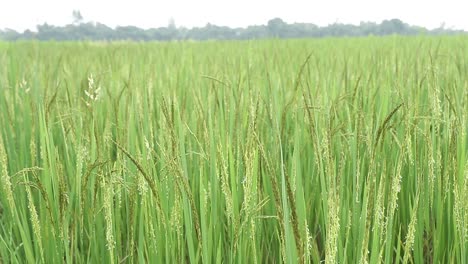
(275, 28)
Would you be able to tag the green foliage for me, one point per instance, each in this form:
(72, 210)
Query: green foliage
(298, 151)
(275, 28)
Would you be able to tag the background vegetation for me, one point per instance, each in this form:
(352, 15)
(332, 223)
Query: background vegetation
(270, 151)
(275, 28)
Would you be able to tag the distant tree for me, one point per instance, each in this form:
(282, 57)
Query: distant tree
(9, 34)
(171, 24)
(28, 34)
(391, 27)
(276, 27)
(77, 17)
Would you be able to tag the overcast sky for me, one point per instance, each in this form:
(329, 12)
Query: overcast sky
(24, 14)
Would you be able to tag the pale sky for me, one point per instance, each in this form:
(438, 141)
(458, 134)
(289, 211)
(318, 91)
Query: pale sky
(24, 14)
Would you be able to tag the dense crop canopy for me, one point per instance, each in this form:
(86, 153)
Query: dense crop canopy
(295, 151)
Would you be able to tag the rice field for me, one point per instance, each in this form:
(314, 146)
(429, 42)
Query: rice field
(351, 150)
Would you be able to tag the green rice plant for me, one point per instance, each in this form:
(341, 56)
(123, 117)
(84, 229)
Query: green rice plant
(268, 151)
